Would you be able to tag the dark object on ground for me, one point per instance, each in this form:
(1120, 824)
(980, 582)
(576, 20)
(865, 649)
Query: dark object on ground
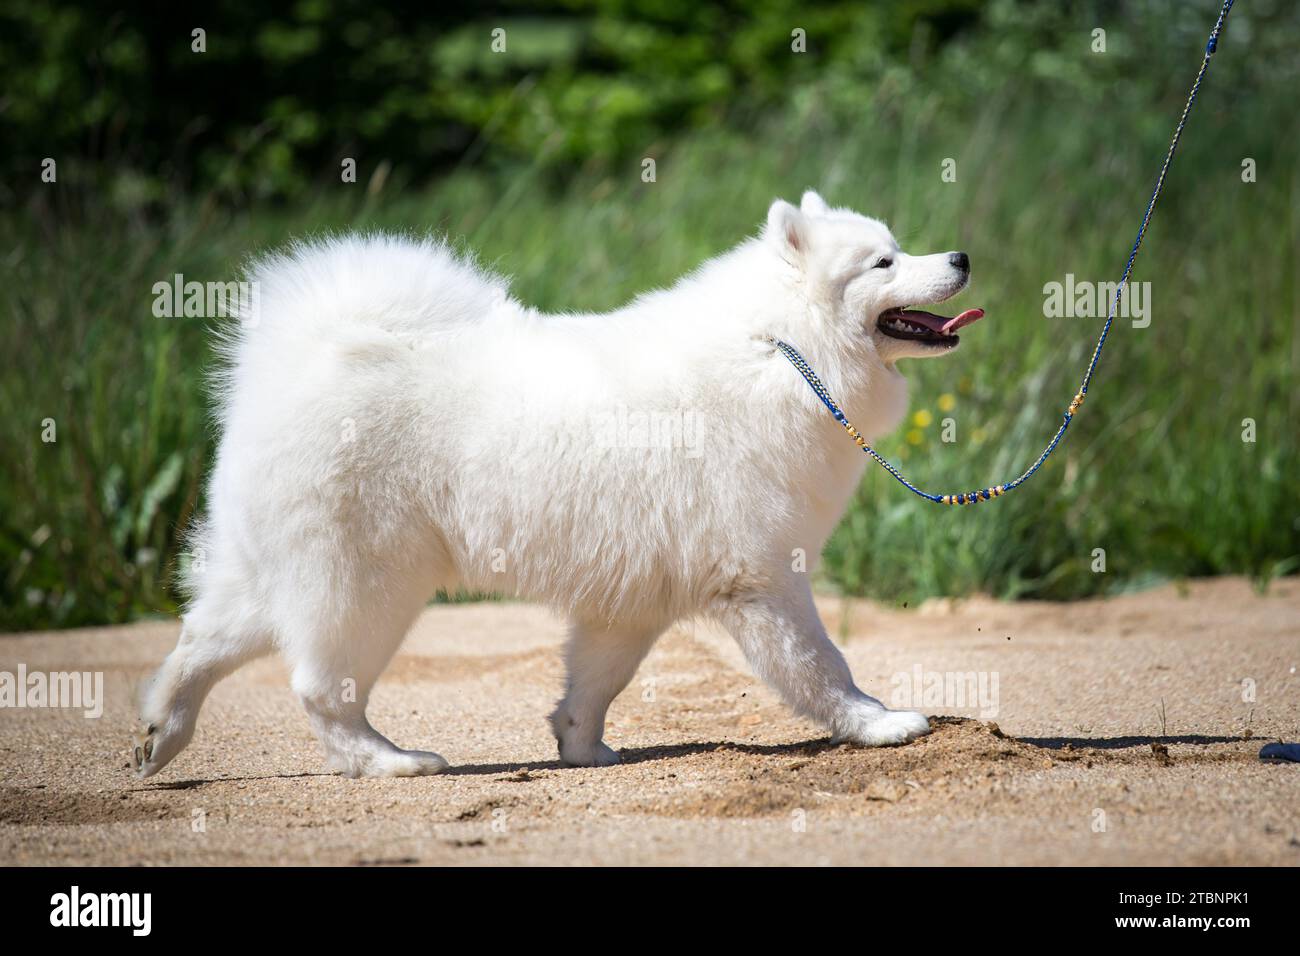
(1280, 751)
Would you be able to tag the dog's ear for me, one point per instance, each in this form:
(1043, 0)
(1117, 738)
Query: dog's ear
(787, 229)
(813, 205)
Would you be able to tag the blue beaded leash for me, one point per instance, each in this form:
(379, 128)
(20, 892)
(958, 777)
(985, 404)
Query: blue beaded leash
(984, 494)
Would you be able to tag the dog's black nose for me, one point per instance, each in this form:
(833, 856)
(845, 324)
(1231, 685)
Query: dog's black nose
(959, 261)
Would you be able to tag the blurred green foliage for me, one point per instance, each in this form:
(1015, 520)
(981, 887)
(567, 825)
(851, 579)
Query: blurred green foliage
(281, 96)
(173, 162)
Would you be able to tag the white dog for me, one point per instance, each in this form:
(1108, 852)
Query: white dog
(393, 423)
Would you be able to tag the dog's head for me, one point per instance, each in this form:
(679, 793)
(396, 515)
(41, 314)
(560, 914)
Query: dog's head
(854, 273)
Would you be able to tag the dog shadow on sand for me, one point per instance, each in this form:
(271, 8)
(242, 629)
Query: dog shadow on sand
(631, 756)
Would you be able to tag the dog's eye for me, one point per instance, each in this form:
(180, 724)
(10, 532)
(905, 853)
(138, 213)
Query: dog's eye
(884, 262)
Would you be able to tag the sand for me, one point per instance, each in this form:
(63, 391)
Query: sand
(1118, 735)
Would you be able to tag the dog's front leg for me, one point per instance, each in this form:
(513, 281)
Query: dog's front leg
(786, 645)
(601, 660)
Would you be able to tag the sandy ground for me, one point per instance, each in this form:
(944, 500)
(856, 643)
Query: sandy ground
(1057, 767)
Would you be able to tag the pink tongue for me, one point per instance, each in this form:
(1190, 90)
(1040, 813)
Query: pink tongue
(941, 323)
(965, 318)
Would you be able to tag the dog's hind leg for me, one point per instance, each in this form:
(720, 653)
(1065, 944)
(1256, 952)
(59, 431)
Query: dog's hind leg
(335, 663)
(601, 660)
(353, 747)
(210, 647)
(784, 641)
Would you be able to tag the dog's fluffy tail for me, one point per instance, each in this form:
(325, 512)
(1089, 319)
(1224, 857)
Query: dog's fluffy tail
(390, 282)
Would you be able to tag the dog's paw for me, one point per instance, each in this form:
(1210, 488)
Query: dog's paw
(387, 763)
(142, 751)
(409, 763)
(153, 746)
(884, 728)
(597, 756)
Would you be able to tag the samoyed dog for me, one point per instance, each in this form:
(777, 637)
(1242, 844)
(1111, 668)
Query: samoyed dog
(394, 423)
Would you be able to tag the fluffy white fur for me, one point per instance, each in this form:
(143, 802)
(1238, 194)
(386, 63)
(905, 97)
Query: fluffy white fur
(393, 423)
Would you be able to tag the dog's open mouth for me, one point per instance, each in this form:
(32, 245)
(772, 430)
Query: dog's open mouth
(917, 325)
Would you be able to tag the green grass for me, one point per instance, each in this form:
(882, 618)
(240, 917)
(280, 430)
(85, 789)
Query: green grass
(1154, 471)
